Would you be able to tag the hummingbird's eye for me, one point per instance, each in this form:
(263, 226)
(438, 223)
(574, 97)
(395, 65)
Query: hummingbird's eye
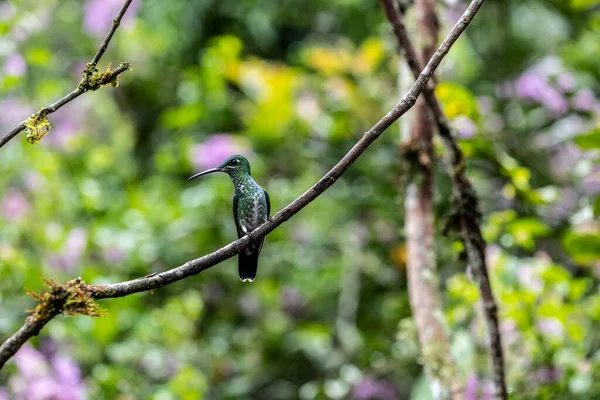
(235, 161)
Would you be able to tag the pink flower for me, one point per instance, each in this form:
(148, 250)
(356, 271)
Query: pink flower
(46, 377)
(30, 362)
(214, 150)
(565, 82)
(15, 65)
(14, 205)
(550, 327)
(72, 251)
(99, 14)
(533, 86)
(584, 100)
(477, 390)
(465, 127)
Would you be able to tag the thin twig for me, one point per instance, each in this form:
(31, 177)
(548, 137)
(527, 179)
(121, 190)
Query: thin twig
(467, 216)
(81, 89)
(111, 32)
(198, 265)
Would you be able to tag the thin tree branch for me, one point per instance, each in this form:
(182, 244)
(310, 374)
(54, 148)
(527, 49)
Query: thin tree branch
(91, 79)
(423, 278)
(467, 216)
(111, 32)
(198, 265)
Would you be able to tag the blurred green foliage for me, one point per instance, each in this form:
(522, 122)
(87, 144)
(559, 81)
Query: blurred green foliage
(293, 84)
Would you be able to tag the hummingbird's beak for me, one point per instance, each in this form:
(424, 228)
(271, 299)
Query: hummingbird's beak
(208, 171)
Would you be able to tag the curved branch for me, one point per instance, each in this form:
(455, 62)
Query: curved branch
(198, 265)
(85, 83)
(466, 219)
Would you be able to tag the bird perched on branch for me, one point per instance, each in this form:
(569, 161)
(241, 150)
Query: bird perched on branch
(251, 208)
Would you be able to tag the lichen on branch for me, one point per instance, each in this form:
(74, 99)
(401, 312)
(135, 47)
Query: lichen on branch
(37, 126)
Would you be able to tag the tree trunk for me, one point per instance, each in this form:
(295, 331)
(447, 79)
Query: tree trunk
(423, 281)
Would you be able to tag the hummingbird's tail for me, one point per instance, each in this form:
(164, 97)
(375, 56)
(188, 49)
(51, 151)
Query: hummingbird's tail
(248, 265)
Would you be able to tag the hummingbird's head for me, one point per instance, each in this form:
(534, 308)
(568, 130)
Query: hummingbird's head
(232, 165)
(235, 164)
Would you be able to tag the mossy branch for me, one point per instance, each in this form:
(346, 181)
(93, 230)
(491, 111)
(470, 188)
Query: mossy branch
(94, 80)
(71, 298)
(37, 126)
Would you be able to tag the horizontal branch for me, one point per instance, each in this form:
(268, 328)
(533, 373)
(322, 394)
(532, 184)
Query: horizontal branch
(198, 265)
(466, 219)
(92, 80)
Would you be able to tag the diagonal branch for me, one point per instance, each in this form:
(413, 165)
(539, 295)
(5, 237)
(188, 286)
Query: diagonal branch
(467, 216)
(92, 80)
(194, 267)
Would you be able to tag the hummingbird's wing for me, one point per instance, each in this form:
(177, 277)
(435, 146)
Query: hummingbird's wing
(268, 203)
(236, 218)
(248, 258)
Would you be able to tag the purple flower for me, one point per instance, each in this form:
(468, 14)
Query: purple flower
(465, 127)
(533, 86)
(550, 327)
(565, 82)
(471, 387)
(43, 377)
(99, 14)
(214, 150)
(30, 363)
(584, 100)
(72, 251)
(476, 390)
(371, 389)
(66, 371)
(15, 65)
(44, 388)
(14, 205)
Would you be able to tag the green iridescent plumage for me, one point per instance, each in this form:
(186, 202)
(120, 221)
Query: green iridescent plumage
(251, 208)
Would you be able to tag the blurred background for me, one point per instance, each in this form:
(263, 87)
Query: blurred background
(292, 85)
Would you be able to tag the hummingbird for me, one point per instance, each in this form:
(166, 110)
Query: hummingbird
(251, 208)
